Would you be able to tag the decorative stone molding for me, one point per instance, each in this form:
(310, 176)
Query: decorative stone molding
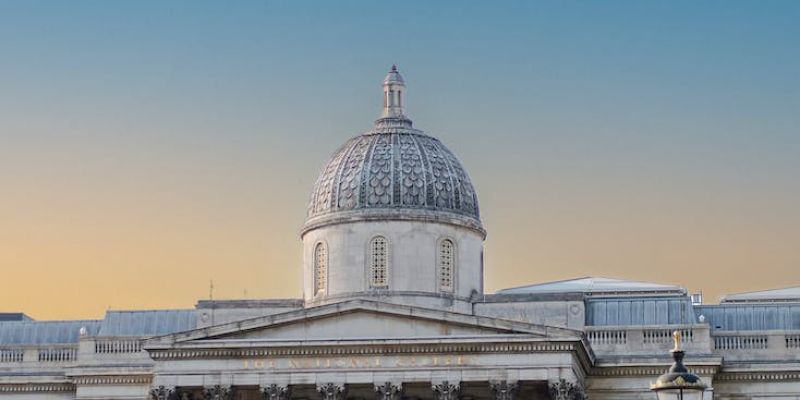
(366, 349)
(769, 376)
(275, 392)
(113, 380)
(218, 392)
(503, 390)
(162, 393)
(40, 387)
(446, 391)
(654, 370)
(563, 390)
(332, 391)
(388, 391)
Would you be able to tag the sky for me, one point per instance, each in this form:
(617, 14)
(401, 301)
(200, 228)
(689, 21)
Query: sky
(149, 147)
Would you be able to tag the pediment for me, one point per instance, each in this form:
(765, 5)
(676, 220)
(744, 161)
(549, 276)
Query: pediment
(362, 319)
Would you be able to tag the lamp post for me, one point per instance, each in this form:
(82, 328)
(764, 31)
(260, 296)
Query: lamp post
(678, 383)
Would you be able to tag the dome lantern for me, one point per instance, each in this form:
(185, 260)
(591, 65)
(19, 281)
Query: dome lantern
(394, 88)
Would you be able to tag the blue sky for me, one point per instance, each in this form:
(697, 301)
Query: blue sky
(636, 139)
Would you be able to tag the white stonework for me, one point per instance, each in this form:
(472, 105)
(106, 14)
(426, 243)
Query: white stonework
(412, 266)
(419, 326)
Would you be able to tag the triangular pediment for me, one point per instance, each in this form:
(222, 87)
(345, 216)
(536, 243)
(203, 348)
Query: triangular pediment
(362, 319)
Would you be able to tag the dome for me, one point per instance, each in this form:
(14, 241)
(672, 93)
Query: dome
(393, 172)
(393, 76)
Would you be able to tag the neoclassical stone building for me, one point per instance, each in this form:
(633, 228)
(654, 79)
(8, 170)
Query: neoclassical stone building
(394, 307)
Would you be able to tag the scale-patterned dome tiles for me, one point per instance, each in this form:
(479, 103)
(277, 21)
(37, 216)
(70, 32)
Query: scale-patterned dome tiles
(402, 170)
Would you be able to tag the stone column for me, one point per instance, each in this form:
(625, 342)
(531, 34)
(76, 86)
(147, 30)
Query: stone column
(503, 390)
(388, 391)
(163, 393)
(218, 392)
(446, 391)
(332, 391)
(275, 392)
(563, 390)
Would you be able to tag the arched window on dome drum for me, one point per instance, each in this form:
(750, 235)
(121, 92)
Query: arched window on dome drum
(320, 268)
(378, 262)
(447, 265)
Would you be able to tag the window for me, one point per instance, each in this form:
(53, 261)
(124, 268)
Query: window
(378, 262)
(320, 268)
(446, 265)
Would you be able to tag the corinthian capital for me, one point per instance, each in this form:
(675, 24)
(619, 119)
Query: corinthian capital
(162, 393)
(446, 391)
(332, 391)
(388, 391)
(275, 392)
(218, 392)
(563, 390)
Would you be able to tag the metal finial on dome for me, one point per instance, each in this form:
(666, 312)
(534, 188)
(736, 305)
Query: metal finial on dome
(393, 93)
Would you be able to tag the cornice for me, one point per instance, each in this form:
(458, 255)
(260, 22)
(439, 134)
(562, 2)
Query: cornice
(366, 349)
(575, 347)
(769, 376)
(394, 214)
(648, 370)
(37, 387)
(113, 379)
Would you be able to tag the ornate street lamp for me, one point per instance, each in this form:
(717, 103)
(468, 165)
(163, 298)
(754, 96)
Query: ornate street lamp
(678, 383)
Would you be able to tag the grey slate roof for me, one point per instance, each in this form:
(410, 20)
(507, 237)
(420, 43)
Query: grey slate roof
(639, 311)
(16, 316)
(44, 332)
(746, 317)
(786, 295)
(116, 323)
(597, 286)
(147, 322)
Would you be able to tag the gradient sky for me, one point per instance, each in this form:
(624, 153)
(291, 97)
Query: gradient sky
(147, 147)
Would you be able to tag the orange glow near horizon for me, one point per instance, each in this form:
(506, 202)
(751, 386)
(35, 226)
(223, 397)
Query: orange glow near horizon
(147, 148)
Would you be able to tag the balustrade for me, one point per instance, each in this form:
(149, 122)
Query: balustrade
(664, 335)
(698, 339)
(740, 342)
(607, 336)
(11, 355)
(57, 354)
(645, 339)
(117, 345)
(792, 341)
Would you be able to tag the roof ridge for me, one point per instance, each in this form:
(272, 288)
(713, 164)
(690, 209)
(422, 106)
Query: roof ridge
(765, 290)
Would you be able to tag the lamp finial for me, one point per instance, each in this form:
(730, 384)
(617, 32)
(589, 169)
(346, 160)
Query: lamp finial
(676, 336)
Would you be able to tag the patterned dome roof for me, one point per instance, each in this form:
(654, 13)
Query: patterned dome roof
(393, 172)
